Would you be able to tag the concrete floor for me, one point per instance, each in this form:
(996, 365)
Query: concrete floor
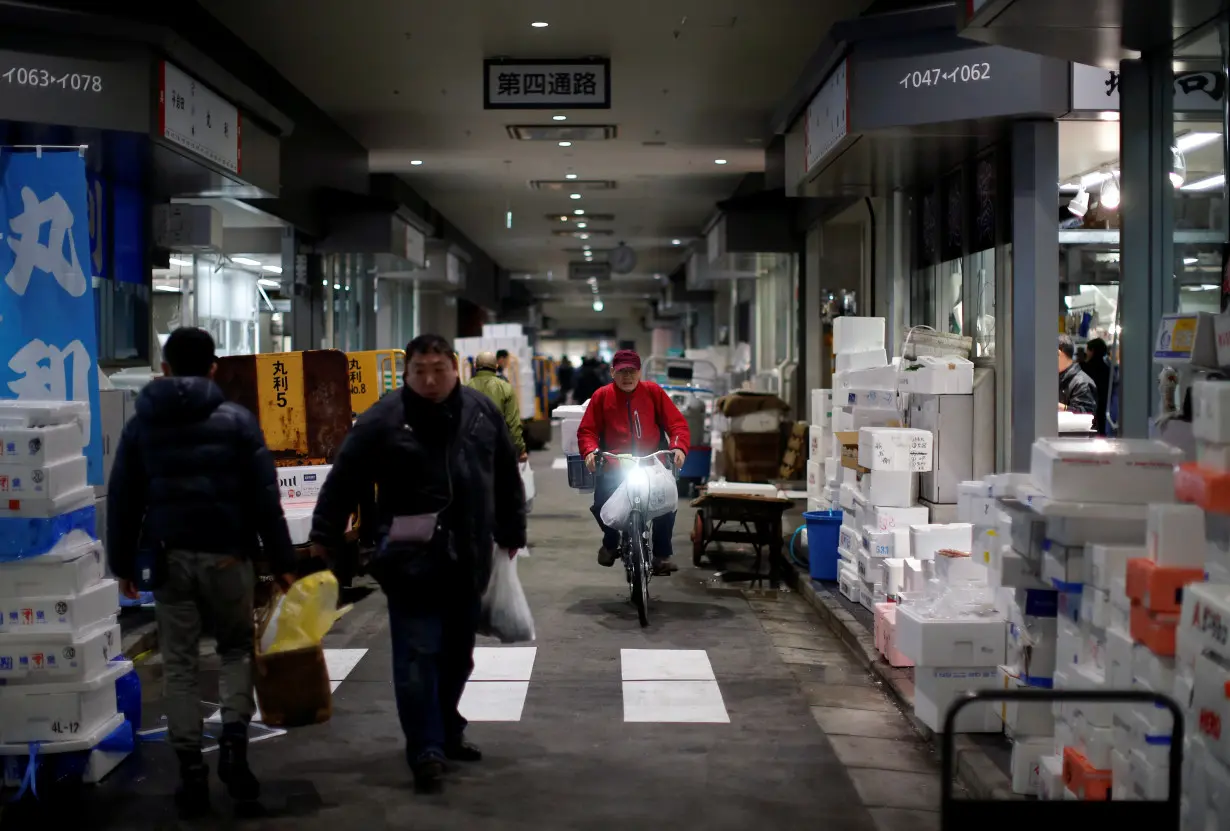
(808, 739)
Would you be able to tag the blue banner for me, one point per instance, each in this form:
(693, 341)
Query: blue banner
(48, 341)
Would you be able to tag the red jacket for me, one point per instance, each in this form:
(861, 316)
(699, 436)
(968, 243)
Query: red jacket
(619, 422)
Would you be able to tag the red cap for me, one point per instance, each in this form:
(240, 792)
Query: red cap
(625, 359)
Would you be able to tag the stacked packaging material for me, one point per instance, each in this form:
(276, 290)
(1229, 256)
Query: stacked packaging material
(941, 401)
(59, 640)
(509, 336)
(821, 463)
(569, 417)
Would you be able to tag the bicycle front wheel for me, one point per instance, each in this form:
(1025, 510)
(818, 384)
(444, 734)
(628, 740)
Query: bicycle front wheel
(638, 551)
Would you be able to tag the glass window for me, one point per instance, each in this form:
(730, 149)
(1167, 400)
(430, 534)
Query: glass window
(982, 268)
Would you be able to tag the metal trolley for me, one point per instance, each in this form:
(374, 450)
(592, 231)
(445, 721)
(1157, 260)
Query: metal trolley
(691, 384)
(1032, 814)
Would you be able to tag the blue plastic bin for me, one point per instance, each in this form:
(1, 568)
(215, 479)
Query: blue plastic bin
(823, 529)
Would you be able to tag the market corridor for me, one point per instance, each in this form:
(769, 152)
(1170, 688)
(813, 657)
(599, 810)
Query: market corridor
(582, 744)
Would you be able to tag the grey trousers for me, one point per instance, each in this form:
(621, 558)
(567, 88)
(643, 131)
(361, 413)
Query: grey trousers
(199, 584)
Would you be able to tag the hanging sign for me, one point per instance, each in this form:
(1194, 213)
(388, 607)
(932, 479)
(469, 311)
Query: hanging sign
(828, 117)
(572, 84)
(48, 339)
(198, 119)
(75, 92)
(1096, 89)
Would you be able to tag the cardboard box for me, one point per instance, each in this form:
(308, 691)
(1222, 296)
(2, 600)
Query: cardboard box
(34, 447)
(895, 449)
(950, 642)
(1118, 471)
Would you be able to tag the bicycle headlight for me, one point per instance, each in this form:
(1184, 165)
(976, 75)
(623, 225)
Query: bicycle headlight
(638, 482)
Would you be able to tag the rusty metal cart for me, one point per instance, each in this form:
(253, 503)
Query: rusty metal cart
(741, 518)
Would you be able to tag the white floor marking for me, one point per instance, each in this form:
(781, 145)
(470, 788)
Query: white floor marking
(494, 700)
(338, 662)
(666, 665)
(511, 663)
(560, 464)
(677, 702)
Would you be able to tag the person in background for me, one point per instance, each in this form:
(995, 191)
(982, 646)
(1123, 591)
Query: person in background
(637, 417)
(564, 374)
(1097, 367)
(440, 459)
(501, 363)
(588, 381)
(195, 485)
(1077, 394)
(501, 394)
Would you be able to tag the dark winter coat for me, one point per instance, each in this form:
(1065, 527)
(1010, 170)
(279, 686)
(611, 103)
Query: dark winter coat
(1076, 391)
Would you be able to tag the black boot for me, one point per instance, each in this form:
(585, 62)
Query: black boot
(192, 797)
(233, 767)
(462, 751)
(428, 773)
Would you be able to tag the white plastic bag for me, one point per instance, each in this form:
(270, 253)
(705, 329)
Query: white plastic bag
(616, 510)
(505, 613)
(663, 492)
(527, 482)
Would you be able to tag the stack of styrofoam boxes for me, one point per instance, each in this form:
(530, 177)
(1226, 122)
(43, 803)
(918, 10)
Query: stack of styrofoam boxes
(821, 463)
(1095, 497)
(569, 417)
(58, 630)
(864, 382)
(300, 488)
(941, 401)
(886, 507)
(510, 336)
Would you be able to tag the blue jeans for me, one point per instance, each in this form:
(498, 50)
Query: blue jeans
(433, 656)
(660, 534)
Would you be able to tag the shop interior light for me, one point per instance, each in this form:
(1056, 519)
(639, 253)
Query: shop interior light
(272, 269)
(563, 219)
(1079, 206)
(559, 118)
(337, 286)
(565, 144)
(1190, 260)
(582, 224)
(540, 24)
(181, 263)
(676, 242)
(1207, 184)
(416, 162)
(1109, 197)
(598, 305)
(269, 284)
(574, 196)
(1190, 141)
(570, 175)
(579, 212)
(1109, 115)
(585, 247)
(164, 287)
(245, 261)
(719, 161)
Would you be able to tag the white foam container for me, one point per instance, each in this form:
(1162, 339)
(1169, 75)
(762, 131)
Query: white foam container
(65, 613)
(44, 657)
(59, 711)
(68, 573)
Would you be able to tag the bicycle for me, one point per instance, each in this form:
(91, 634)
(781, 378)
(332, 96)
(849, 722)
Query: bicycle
(635, 538)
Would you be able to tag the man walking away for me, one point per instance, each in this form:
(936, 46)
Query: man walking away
(502, 395)
(194, 484)
(564, 373)
(501, 363)
(443, 466)
(1077, 394)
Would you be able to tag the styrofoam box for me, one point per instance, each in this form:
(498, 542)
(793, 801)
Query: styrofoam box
(1176, 535)
(814, 481)
(299, 523)
(60, 613)
(1118, 471)
(59, 711)
(302, 484)
(1026, 763)
(857, 334)
(43, 508)
(568, 436)
(936, 688)
(39, 446)
(926, 540)
(938, 376)
(45, 657)
(817, 442)
(1103, 563)
(959, 569)
(821, 408)
(886, 518)
(70, 573)
(891, 543)
(950, 642)
(47, 481)
(894, 449)
(883, 378)
(1075, 530)
(1211, 411)
(892, 488)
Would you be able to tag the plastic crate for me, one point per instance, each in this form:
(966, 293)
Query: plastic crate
(579, 477)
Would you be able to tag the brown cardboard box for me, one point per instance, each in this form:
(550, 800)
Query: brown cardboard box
(751, 457)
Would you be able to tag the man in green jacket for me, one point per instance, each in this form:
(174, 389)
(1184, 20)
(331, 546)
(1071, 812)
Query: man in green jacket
(490, 384)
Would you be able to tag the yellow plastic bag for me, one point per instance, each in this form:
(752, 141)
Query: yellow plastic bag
(303, 616)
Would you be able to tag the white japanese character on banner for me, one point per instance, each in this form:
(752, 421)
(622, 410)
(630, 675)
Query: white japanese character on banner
(45, 376)
(32, 254)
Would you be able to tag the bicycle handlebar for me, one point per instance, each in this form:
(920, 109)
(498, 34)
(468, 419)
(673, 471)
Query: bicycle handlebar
(628, 457)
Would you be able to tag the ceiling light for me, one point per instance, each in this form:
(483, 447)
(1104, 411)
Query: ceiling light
(1207, 184)
(539, 24)
(347, 287)
(272, 269)
(161, 287)
(1109, 198)
(337, 286)
(570, 175)
(1190, 260)
(676, 242)
(584, 236)
(559, 118)
(565, 144)
(269, 284)
(324, 282)
(657, 276)
(1109, 115)
(179, 262)
(574, 196)
(579, 212)
(416, 162)
(1190, 141)
(563, 219)
(245, 261)
(585, 247)
(598, 305)
(719, 161)
(582, 224)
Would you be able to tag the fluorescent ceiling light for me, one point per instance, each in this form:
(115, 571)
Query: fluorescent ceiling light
(559, 118)
(582, 224)
(245, 261)
(676, 242)
(1207, 184)
(1190, 260)
(269, 284)
(272, 269)
(574, 196)
(1190, 141)
(1110, 115)
(598, 305)
(160, 287)
(179, 262)
(719, 161)
(565, 144)
(570, 175)
(416, 162)
(540, 24)
(579, 212)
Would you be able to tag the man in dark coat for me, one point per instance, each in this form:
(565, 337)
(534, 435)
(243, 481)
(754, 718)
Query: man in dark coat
(448, 489)
(194, 486)
(1097, 367)
(1077, 393)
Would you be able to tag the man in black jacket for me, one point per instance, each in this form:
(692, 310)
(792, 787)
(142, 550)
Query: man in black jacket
(448, 487)
(1077, 393)
(194, 485)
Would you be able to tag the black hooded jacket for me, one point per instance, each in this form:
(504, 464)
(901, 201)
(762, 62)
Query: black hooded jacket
(192, 472)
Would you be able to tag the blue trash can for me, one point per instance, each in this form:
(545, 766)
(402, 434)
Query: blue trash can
(823, 529)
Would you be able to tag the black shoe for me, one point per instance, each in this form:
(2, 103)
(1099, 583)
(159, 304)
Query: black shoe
(192, 797)
(233, 767)
(664, 568)
(462, 751)
(428, 774)
(607, 557)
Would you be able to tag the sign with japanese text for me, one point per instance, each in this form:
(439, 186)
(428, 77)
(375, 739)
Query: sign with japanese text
(48, 339)
(828, 117)
(1096, 89)
(580, 84)
(75, 91)
(198, 119)
(280, 401)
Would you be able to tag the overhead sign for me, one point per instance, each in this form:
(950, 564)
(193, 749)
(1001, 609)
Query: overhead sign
(48, 339)
(75, 92)
(982, 82)
(828, 117)
(198, 119)
(580, 84)
(416, 246)
(1096, 89)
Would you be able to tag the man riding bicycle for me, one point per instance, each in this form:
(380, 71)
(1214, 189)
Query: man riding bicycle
(634, 417)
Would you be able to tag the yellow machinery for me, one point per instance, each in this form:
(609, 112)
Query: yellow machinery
(372, 374)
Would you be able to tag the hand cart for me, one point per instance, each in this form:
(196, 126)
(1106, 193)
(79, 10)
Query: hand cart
(756, 521)
(1035, 814)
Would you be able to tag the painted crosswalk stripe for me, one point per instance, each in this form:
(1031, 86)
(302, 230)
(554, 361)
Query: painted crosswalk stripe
(499, 684)
(671, 686)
